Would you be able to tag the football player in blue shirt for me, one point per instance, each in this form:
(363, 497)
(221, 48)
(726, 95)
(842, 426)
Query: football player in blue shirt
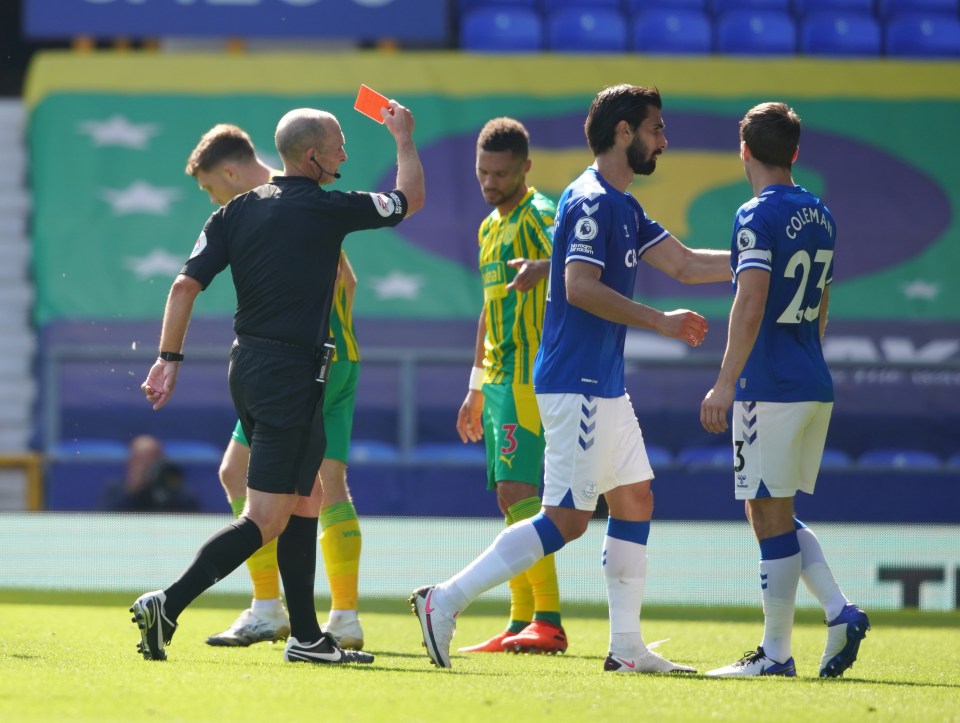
(774, 374)
(594, 443)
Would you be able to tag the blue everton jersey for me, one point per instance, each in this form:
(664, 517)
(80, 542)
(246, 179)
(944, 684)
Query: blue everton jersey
(787, 231)
(581, 353)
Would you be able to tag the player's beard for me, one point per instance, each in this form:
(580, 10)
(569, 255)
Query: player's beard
(641, 161)
(495, 197)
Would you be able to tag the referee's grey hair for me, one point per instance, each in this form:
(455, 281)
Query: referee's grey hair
(301, 129)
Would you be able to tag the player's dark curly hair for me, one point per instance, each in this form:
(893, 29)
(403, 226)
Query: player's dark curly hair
(504, 134)
(772, 133)
(614, 104)
(223, 142)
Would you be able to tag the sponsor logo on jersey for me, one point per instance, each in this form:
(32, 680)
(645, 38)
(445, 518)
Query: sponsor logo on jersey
(630, 259)
(586, 229)
(200, 245)
(746, 239)
(581, 249)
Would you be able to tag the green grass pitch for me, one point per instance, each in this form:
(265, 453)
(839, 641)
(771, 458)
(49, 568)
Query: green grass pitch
(72, 657)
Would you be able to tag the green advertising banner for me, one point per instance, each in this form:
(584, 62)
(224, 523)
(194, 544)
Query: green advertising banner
(115, 216)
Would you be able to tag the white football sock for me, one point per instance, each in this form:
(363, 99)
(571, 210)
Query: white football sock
(512, 552)
(779, 578)
(817, 576)
(625, 573)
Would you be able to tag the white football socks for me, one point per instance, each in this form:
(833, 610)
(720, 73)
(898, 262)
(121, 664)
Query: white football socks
(779, 578)
(625, 573)
(513, 551)
(817, 576)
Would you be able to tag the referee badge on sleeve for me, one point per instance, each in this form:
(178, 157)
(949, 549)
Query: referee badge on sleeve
(386, 204)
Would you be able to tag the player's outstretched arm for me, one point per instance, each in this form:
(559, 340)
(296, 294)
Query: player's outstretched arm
(531, 272)
(399, 121)
(690, 266)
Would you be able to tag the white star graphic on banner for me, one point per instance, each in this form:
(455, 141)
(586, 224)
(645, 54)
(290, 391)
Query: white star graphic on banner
(118, 131)
(140, 197)
(921, 289)
(397, 285)
(156, 263)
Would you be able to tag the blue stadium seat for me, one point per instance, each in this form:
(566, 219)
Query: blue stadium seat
(584, 29)
(721, 7)
(658, 456)
(452, 453)
(954, 460)
(189, 450)
(82, 450)
(835, 459)
(744, 32)
(921, 35)
(714, 455)
(633, 7)
(838, 34)
(803, 8)
(899, 458)
(372, 451)
(889, 8)
(467, 5)
(672, 31)
(550, 5)
(502, 30)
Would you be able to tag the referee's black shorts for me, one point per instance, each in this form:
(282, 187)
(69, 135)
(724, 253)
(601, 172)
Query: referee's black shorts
(280, 406)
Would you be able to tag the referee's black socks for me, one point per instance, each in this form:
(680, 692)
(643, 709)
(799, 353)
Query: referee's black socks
(297, 560)
(218, 557)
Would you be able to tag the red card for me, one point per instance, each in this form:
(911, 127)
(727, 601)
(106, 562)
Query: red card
(369, 102)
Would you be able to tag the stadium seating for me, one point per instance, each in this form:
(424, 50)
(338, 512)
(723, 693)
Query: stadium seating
(954, 460)
(83, 450)
(453, 453)
(550, 5)
(501, 29)
(889, 8)
(804, 8)
(467, 5)
(923, 35)
(761, 32)
(835, 459)
(838, 34)
(721, 7)
(714, 455)
(658, 456)
(636, 6)
(672, 31)
(189, 450)
(584, 29)
(372, 451)
(899, 458)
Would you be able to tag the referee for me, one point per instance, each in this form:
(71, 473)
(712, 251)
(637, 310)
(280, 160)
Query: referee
(282, 242)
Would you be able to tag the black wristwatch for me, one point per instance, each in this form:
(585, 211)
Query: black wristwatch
(171, 356)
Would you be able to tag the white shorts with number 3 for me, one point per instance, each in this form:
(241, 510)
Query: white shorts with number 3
(777, 447)
(594, 444)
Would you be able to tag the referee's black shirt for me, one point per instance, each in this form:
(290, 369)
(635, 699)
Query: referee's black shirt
(282, 242)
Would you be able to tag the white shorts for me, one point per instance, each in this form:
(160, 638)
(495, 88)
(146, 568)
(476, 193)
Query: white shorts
(777, 447)
(594, 445)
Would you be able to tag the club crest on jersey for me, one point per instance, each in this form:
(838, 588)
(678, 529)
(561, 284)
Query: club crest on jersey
(200, 245)
(746, 239)
(586, 229)
(386, 203)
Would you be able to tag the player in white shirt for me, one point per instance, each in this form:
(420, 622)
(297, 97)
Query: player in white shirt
(774, 374)
(594, 443)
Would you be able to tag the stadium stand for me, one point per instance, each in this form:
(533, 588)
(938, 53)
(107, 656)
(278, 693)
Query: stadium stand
(804, 8)
(636, 6)
(840, 34)
(714, 455)
(585, 29)
(501, 29)
(720, 7)
(922, 35)
(550, 5)
(662, 30)
(912, 459)
(760, 32)
(890, 8)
